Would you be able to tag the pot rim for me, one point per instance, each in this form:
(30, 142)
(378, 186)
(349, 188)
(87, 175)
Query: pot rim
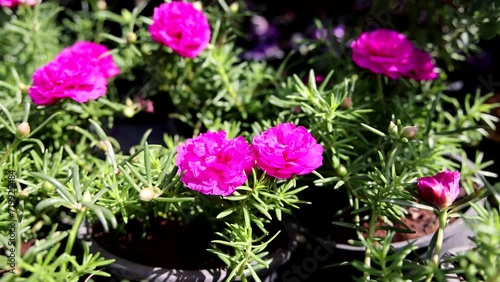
(131, 270)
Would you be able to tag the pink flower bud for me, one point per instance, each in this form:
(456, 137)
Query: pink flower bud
(441, 189)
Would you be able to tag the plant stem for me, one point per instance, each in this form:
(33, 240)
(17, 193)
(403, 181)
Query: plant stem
(80, 216)
(371, 232)
(443, 218)
(380, 88)
(230, 89)
(9, 150)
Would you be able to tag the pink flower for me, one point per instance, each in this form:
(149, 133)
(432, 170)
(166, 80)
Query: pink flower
(423, 68)
(181, 27)
(214, 165)
(15, 3)
(441, 189)
(67, 77)
(286, 149)
(384, 51)
(96, 54)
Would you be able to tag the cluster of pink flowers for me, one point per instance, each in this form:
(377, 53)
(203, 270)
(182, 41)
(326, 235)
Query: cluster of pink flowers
(214, 165)
(15, 3)
(441, 189)
(79, 72)
(390, 53)
(180, 26)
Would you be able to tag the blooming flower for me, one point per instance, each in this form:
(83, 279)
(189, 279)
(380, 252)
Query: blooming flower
(441, 189)
(96, 54)
(67, 77)
(423, 68)
(286, 149)
(180, 26)
(385, 52)
(15, 3)
(214, 165)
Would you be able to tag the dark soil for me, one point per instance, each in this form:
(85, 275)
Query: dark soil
(171, 244)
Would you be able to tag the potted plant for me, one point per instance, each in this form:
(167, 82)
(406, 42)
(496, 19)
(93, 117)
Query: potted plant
(388, 131)
(216, 197)
(71, 180)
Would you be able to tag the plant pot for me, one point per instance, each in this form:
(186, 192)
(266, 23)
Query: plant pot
(335, 239)
(132, 271)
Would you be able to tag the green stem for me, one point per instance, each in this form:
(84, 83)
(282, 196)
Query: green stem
(9, 151)
(380, 88)
(371, 233)
(230, 89)
(443, 218)
(80, 216)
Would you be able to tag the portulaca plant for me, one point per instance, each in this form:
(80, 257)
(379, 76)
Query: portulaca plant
(375, 121)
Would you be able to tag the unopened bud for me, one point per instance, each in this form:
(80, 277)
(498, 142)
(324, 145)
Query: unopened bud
(147, 194)
(102, 5)
(23, 129)
(131, 37)
(393, 130)
(234, 7)
(47, 187)
(24, 193)
(197, 5)
(347, 103)
(409, 132)
(341, 171)
(87, 198)
(129, 112)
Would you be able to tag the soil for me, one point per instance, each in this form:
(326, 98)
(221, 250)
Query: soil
(171, 244)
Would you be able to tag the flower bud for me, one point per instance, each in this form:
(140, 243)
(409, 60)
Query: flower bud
(441, 189)
(234, 7)
(24, 193)
(47, 187)
(409, 132)
(147, 194)
(131, 37)
(129, 112)
(347, 103)
(87, 198)
(393, 130)
(101, 5)
(341, 171)
(23, 129)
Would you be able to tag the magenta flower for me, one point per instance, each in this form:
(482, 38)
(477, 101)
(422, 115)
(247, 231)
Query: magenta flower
(67, 77)
(96, 54)
(441, 189)
(15, 3)
(423, 68)
(287, 150)
(385, 52)
(214, 165)
(180, 26)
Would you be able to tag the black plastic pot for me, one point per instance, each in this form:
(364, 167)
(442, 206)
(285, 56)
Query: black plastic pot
(124, 269)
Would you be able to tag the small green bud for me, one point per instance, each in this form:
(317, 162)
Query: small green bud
(393, 130)
(409, 132)
(131, 37)
(47, 187)
(87, 198)
(234, 7)
(147, 194)
(129, 112)
(341, 171)
(24, 193)
(23, 129)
